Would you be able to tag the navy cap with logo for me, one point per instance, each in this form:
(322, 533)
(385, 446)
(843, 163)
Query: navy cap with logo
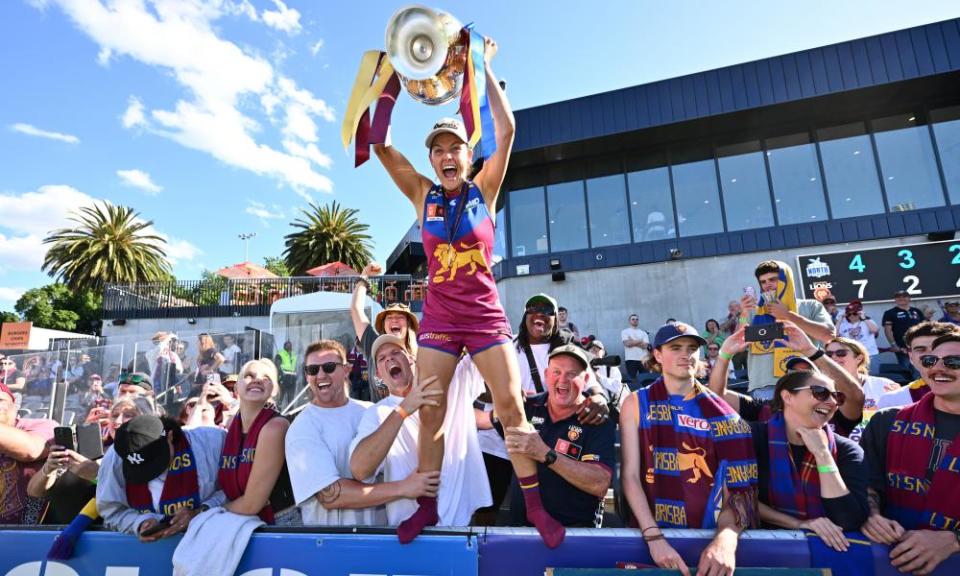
(573, 350)
(670, 332)
(800, 363)
(142, 445)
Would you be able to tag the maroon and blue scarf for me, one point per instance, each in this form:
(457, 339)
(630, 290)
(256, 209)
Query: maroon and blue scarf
(181, 489)
(685, 447)
(236, 461)
(794, 486)
(911, 499)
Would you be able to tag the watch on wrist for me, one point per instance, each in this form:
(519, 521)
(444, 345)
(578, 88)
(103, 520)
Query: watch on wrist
(550, 458)
(816, 355)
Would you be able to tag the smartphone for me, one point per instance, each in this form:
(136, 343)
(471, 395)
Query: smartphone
(163, 524)
(63, 436)
(90, 440)
(764, 332)
(750, 291)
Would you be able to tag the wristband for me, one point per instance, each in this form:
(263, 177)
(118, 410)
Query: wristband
(726, 356)
(827, 468)
(653, 538)
(743, 320)
(816, 355)
(402, 412)
(644, 531)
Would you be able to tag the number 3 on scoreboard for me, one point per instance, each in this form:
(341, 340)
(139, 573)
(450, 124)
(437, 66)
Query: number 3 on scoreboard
(863, 286)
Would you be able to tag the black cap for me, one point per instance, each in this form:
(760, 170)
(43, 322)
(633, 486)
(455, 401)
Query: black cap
(573, 350)
(142, 445)
(900, 293)
(670, 332)
(799, 363)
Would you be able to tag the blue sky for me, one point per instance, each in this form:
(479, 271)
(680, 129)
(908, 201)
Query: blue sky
(214, 118)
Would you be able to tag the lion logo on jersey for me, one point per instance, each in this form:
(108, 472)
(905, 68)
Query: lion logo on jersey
(694, 460)
(451, 260)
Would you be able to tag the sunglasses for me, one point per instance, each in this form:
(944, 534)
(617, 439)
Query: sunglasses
(327, 367)
(930, 360)
(545, 310)
(837, 353)
(821, 393)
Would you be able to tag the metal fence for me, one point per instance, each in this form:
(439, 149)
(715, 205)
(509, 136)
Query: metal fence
(220, 297)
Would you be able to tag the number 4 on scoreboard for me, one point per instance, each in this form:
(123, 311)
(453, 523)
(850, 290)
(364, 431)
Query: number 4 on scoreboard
(863, 286)
(857, 264)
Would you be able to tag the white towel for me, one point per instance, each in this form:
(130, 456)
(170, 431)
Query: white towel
(214, 543)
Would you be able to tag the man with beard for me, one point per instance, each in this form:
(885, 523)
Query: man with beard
(388, 434)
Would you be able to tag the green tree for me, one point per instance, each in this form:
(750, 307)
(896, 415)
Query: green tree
(327, 234)
(8, 316)
(57, 307)
(277, 265)
(108, 244)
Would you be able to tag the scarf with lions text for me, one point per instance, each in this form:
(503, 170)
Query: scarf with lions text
(181, 488)
(236, 461)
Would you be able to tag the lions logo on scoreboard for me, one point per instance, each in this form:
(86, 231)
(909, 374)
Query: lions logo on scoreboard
(817, 269)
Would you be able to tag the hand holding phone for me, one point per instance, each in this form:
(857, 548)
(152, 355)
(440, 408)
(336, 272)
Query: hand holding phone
(160, 526)
(764, 332)
(63, 436)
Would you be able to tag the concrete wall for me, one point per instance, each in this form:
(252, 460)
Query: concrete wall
(599, 301)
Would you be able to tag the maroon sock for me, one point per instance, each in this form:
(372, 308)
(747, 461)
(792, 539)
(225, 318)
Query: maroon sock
(426, 515)
(550, 530)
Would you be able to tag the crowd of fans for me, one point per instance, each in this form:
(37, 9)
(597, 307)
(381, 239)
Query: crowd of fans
(816, 440)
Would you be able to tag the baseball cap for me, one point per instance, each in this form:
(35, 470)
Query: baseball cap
(448, 125)
(572, 350)
(670, 332)
(541, 298)
(953, 302)
(900, 293)
(231, 378)
(138, 379)
(385, 339)
(794, 363)
(142, 445)
(854, 306)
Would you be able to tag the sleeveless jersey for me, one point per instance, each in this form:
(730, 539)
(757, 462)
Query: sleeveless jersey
(462, 293)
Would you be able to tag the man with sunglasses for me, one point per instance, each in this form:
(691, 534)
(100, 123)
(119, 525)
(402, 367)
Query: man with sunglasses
(635, 344)
(918, 341)
(913, 456)
(318, 450)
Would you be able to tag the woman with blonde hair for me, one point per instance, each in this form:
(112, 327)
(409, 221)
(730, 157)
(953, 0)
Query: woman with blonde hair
(209, 358)
(853, 357)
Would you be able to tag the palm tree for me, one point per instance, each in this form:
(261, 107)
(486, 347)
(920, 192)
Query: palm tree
(109, 244)
(327, 234)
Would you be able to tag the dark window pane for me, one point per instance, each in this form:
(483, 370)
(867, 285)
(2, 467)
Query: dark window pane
(528, 223)
(743, 179)
(607, 197)
(568, 218)
(851, 171)
(946, 131)
(797, 190)
(500, 238)
(650, 204)
(907, 163)
(698, 202)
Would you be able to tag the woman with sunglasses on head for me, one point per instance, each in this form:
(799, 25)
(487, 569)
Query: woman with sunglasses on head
(852, 356)
(253, 473)
(810, 478)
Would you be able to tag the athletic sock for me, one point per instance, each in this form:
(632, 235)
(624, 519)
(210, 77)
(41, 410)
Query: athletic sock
(550, 530)
(426, 515)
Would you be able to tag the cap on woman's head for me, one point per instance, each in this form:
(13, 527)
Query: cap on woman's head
(450, 126)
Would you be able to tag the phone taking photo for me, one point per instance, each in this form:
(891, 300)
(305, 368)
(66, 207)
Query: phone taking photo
(764, 332)
(63, 436)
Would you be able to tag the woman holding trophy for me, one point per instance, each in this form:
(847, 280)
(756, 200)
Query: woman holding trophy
(462, 309)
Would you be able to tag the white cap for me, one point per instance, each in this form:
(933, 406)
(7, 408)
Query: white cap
(449, 125)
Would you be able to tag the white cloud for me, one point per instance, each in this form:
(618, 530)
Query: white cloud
(10, 295)
(178, 36)
(316, 46)
(133, 115)
(310, 152)
(265, 214)
(178, 250)
(139, 179)
(34, 131)
(21, 252)
(244, 8)
(283, 19)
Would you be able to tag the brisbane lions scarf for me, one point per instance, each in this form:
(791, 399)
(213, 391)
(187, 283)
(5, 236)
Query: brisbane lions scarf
(786, 294)
(690, 450)
(181, 489)
(794, 486)
(236, 461)
(911, 499)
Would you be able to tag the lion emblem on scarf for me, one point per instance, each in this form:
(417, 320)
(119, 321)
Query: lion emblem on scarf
(695, 459)
(452, 260)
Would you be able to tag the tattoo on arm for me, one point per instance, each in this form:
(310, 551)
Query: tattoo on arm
(330, 494)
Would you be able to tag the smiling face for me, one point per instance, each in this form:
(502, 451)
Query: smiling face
(121, 412)
(944, 382)
(328, 389)
(845, 357)
(678, 358)
(450, 157)
(395, 368)
(396, 323)
(768, 281)
(802, 409)
(540, 326)
(255, 385)
(566, 378)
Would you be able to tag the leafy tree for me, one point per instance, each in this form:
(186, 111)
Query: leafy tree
(325, 234)
(8, 316)
(109, 244)
(57, 307)
(277, 265)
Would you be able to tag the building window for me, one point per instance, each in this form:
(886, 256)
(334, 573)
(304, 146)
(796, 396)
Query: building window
(528, 223)
(797, 190)
(651, 204)
(946, 131)
(743, 180)
(500, 238)
(698, 201)
(850, 171)
(907, 163)
(568, 218)
(607, 199)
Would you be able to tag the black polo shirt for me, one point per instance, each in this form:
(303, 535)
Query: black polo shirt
(566, 503)
(901, 320)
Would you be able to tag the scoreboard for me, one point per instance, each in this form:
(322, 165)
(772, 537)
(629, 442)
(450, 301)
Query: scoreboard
(929, 270)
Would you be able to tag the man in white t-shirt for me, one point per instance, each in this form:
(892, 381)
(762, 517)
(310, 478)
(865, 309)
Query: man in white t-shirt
(635, 353)
(856, 326)
(230, 353)
(386, 441)
(318, 450)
